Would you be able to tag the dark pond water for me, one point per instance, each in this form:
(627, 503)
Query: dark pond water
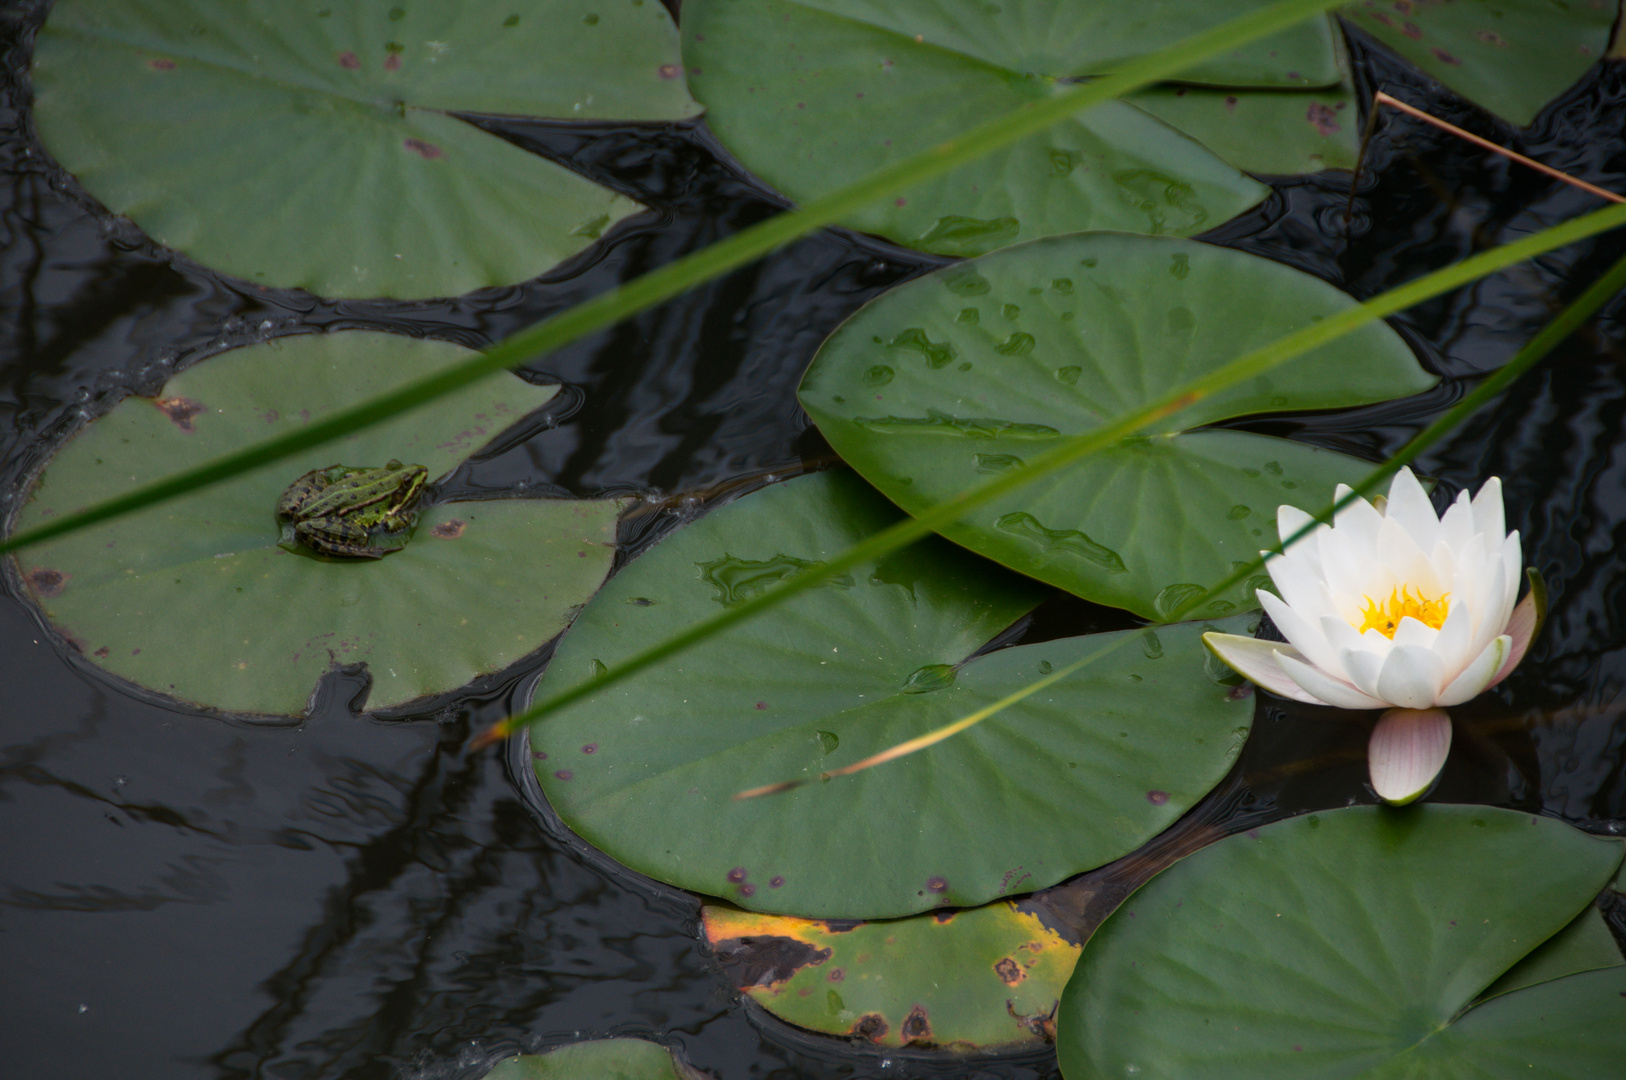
(183, 896)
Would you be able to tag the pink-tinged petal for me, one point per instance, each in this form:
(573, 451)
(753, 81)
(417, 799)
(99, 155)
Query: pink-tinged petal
(1411, 677)
(1488, 515)
(1324, 688)
(1409, 506)
(1477, 675)
(1255, 660)
(1525, 624)
(1299, 631)
(1407, 751)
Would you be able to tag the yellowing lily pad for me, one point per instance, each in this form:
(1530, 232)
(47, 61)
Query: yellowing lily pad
(310, 144)
(194, 598)
(987, 978)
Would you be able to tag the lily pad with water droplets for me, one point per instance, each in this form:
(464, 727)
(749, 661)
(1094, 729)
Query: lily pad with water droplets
(1352, 943)
(310, 145)
(977, 368)
(1075, 775)
(987, 978)
(600, 1059)
(194, 598)
(813, 94)
(1509, 56)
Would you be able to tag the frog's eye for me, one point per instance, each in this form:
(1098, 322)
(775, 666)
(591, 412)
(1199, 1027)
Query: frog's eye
(392, 464)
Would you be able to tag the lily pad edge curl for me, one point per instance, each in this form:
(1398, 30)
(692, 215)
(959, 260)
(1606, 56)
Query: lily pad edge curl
(195, 600)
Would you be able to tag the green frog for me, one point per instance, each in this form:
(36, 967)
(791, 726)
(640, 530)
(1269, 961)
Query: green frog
(355, 513)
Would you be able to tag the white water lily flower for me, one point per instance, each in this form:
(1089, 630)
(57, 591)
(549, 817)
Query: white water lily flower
(1392, 607)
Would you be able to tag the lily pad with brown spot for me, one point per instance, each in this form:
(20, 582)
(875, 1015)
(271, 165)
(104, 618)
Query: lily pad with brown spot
(1509, 56)
(318, 146)
(983, 979)
(195, 599)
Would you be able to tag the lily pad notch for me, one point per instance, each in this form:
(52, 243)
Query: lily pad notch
(196, 599)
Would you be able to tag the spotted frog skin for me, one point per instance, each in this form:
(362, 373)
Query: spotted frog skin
(347, 512)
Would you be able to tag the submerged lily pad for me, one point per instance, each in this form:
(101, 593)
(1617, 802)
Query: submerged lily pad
(1069, 778)
(195, 599)
(972, 980)
(1510, 56)
(310, 146)
(976, 368)
(600, 1059)
(1351, 944)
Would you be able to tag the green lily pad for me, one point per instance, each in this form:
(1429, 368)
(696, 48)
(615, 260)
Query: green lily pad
(1586, 944)
(601, 1059)
(813, 96)
(1284, 133)
(309, 145)
(1509, 56)
(1073, 776)
(1351, 944)
(979, 367)
(972, 980)
(193, 598)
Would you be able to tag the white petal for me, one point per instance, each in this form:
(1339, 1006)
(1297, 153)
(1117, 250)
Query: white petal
(1406, 752)
(1399, 554)
(1364, 667)
(1457, 524)
(1411, 677)
(1299, 586)
(1477, 675)
(1256, 661)
(1455, 636)
(1304, 635)
(1488, 517)
(1359, 521)
(1325, 688)
(1409, 505)
(1289, 520)
(1414, 632)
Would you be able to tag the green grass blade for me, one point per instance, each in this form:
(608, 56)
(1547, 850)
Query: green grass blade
(1245, 367)
(1567, 322)
(701, 266)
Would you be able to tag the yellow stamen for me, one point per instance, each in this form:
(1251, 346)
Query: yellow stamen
(1385, 617)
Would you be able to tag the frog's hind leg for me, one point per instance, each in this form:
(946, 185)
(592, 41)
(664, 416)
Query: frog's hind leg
(337, 538)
